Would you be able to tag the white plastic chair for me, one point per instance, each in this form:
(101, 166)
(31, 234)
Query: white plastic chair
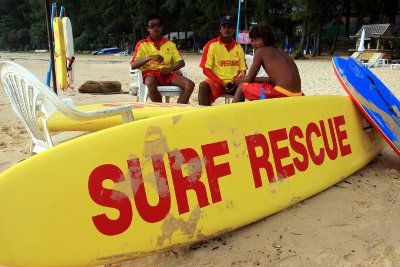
(356, 55)
(395, 66)
(374, 61)
(228, 98)
(166, 91)
(249, 62)
(34, 103)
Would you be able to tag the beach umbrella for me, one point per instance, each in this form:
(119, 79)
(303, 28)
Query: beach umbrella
(50, 41)
(361, 47)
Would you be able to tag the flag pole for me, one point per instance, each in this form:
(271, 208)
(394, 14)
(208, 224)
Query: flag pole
(50, 42)
(238, 21)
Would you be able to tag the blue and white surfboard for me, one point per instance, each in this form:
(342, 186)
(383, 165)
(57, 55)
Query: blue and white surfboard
(372, 97)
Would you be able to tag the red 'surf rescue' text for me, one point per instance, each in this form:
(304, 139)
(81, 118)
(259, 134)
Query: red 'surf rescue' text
(266, 153)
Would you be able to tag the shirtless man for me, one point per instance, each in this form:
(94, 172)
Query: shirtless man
(159, 59)
(283, 76)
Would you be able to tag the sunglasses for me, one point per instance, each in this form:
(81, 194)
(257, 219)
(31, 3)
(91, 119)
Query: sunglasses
(154, 25)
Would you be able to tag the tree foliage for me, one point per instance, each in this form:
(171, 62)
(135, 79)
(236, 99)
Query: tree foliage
(102, 23)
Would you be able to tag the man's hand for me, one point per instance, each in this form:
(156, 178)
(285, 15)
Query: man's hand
(238, 80)
(165, 71)
(157, 58)
(230, 88)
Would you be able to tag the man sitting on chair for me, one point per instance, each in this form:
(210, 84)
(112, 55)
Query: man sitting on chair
(222, 62)
(160, 59)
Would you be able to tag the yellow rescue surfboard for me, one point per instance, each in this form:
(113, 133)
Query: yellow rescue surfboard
(151, 185)
(59, 122)
(60, 54)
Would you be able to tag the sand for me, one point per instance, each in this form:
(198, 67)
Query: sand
(354, 223)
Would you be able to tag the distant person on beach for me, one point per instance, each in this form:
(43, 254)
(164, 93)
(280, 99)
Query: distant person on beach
(222, 62)
(283, 76)
(160, 59)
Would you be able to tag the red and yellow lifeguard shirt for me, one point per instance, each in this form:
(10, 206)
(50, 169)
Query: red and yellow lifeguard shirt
(167, 50)
(225, 60)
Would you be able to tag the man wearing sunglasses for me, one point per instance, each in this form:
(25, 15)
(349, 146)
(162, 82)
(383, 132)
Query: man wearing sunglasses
(159, 59)
(222, 62)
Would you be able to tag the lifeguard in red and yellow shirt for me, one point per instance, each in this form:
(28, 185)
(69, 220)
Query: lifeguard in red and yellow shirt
(159, 59)
(222, 62)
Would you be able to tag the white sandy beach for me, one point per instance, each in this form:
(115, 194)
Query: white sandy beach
(354, 223)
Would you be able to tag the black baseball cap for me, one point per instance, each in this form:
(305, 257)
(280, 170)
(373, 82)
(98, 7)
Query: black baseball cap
(227, 20)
